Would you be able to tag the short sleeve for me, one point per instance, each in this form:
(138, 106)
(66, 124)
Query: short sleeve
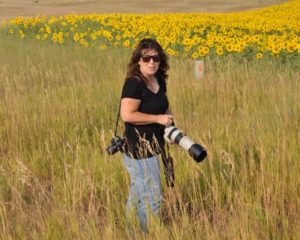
(132, 88)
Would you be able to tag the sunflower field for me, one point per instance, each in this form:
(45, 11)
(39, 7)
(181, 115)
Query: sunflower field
(268, 32)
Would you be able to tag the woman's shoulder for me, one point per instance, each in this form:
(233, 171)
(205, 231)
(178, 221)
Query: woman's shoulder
(132, 88)
(136, 79)
(133, 81)
(160, 78)
(162, 82)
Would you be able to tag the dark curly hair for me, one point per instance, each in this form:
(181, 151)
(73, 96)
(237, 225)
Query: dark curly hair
(134, 67)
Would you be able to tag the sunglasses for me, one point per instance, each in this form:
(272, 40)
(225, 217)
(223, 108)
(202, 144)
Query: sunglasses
(147, 59)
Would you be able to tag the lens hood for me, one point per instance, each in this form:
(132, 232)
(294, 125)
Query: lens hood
(197, 152)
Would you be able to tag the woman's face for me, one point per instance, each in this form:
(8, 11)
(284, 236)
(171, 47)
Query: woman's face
(149, 62)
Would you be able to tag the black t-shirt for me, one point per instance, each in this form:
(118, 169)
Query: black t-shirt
(145, 141)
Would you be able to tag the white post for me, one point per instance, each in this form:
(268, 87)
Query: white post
(199, 69)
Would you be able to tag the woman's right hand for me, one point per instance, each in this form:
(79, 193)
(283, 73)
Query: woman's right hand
(165, 119)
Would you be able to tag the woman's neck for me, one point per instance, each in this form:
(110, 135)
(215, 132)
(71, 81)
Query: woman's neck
(150, 78)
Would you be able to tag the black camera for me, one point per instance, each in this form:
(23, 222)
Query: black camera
(117, 144)
(175, 135)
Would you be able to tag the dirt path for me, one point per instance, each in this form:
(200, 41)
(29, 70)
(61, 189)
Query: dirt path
(13, 8)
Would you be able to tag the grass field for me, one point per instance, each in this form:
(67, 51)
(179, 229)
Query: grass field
(58, 106)
(57, 115)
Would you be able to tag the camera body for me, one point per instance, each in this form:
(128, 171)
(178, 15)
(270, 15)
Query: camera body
(117, 144)
(175, 135)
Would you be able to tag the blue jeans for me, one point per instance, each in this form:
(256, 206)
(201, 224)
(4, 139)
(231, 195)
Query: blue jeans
(145, 193)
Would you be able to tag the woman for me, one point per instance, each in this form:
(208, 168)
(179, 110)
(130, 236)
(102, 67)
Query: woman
(144, 109)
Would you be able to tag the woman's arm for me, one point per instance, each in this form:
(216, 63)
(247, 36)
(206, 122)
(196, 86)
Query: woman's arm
(129, 113)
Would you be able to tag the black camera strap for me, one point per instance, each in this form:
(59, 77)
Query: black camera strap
(118, 117)
(168, 164)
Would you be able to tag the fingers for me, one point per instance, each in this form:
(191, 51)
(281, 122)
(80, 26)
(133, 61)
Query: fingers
(170, 120)
(165, 119)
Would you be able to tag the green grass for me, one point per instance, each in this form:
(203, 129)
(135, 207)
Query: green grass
(58, 107)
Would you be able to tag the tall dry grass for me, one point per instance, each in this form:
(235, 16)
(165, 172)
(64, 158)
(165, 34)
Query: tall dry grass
(57, 115)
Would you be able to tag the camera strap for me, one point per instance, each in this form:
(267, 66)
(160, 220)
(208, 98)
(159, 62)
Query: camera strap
(118, 117)
(168, 167)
